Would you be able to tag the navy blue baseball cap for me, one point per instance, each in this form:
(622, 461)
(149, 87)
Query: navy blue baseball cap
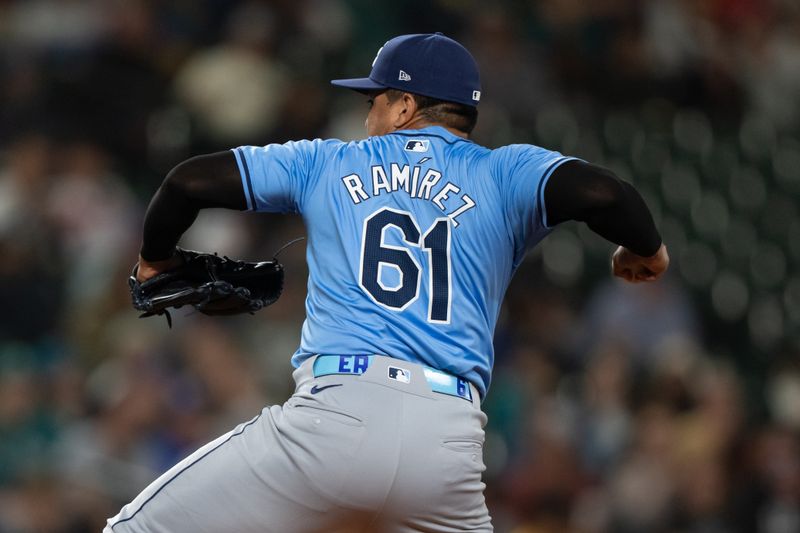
(428, 64)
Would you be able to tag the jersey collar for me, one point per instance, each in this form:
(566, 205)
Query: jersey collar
(431, 131)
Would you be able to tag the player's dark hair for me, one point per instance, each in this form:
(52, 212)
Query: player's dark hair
(454, 115)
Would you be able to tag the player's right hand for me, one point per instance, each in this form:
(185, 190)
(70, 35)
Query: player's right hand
(635, 268)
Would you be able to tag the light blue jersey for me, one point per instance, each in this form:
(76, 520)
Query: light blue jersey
(412, 239)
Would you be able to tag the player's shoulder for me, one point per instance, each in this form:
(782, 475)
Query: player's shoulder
(298, 147)
(506, 161)
(339, 145)
(316, 144)
(315, 152)
(514, 152)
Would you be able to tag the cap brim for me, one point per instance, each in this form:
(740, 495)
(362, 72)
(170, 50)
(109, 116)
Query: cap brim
(362, 85)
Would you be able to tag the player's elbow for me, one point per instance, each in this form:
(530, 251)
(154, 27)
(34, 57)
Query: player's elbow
(579, 190)
(604, 190)
(181, 178)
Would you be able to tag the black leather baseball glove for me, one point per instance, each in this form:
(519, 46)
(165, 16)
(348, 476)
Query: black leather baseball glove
(212, 284)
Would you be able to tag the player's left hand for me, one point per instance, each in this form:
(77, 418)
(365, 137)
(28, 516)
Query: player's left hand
(212, 284)
(150, 269)
(635, 268)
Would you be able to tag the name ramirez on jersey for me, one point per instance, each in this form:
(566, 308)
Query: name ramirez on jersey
(448, 197)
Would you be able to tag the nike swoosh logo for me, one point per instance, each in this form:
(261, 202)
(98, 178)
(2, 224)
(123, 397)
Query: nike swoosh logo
(315, 389)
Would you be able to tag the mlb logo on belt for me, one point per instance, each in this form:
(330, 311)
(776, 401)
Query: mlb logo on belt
(417, 145)
(399, 374)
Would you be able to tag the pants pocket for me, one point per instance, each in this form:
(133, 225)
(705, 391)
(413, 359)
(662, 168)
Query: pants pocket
(332, 414)
(464, 445)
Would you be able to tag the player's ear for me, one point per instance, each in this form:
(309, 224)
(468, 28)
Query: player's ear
(405, 108)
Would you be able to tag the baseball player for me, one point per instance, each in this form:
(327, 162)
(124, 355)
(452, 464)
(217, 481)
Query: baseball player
(413, 236)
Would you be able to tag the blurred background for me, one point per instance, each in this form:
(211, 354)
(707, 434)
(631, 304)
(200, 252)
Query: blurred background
(672, 407)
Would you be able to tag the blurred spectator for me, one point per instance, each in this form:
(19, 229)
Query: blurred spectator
(783, 395)
(769, 48)
(105, 460)
(511, 70)
(56, 25)
(642, 487)
(32, 267)
(26, 424)
(94, 214)
(228, 383)
(642, 319)
(236, 89)
(607, 423)
(768, 499)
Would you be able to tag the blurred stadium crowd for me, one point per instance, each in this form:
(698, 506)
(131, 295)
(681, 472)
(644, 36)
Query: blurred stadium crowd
(667, 408)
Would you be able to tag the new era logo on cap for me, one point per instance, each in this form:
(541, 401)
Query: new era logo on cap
(404, 76)
(476, 95)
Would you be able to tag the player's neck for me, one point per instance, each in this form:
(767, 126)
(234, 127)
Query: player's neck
(417, 123)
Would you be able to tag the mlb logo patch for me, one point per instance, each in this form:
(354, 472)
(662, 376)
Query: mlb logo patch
(399, 374)
(417, 145)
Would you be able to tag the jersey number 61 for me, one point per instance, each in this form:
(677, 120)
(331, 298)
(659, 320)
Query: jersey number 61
(376, 254)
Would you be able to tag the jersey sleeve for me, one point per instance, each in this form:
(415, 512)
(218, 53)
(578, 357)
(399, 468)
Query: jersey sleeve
(522, 171)
(276, 178)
